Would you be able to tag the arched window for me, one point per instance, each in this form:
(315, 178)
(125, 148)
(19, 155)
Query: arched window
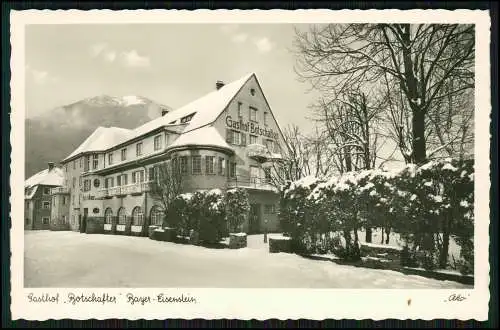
(137, 216)
(122, 216)
(108, 215)
(156, 216)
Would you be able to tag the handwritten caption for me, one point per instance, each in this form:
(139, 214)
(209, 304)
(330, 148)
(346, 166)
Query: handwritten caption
(105, 298)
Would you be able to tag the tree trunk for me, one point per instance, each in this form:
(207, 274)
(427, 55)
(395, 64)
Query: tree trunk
(382, 237)
(418, 142)
(387, 233)
(443, 254)
(368, 235)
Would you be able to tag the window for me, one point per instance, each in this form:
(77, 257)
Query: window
(74, 182)
(121, 180)
(235, 137)
(86, 185)
(137, 216)
(187, 118)
(267, 174)
(270, 145)
(265, 118)
(232, 170)
(157, 142)
(196, 164)
(253, 139)
(156, 216)
(80, 181)
(209, 164)
(45, 220)
(239, 110)
(64, 200)
(122, 216)
(46, 191)
(74, 164)
(253, 114)
(97, 183)
(66, 168)
(138, 176)
(54, 201)
(46, 205)
(269, 209)
(243, 139)
(138, 149)
(110, 159)
(87, 164)
(124, 154)
(222, 166)
(254, 173)
(28, 221)
(81, 162)
(252, 91)
(109, 183)
(64, 220)
(183, 164)
(108, 216)
(73, 199)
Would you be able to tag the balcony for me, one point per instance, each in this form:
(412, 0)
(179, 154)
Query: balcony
(250, 183)
(59, 190)
(130, 189)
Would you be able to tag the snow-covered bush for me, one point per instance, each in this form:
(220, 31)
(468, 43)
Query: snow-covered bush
(426, 205)
(237, 207)
(179, 214)
(212, 223)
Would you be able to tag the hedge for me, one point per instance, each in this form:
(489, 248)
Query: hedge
(426, 205)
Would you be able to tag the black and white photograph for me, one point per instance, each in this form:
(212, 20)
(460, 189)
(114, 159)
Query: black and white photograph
(251, 154)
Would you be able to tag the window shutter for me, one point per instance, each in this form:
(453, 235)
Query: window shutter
(243, 139)
(206, 165)
(229, 136)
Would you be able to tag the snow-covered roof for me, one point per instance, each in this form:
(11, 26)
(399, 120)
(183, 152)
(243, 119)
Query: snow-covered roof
(207, 108)
(101, 139)
(204, 136)
(54, 177)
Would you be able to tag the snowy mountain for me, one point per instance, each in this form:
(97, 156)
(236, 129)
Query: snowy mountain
(54, 134)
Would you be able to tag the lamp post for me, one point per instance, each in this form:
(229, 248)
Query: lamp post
(265, 231)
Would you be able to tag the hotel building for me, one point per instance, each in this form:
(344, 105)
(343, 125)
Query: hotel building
(225, 139)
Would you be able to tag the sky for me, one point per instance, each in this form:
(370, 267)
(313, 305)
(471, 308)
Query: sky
(172, 64)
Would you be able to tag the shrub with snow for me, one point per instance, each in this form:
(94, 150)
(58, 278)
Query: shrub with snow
(237, 206)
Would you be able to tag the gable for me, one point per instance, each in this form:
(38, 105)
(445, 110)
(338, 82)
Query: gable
(251, 98)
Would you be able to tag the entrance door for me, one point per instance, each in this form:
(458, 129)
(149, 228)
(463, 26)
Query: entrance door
(254, 219)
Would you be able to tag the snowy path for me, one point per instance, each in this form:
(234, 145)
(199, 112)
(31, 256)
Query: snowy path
(68, 259)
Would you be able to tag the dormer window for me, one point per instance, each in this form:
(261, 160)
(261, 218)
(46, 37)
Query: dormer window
(187, 118)
(172, 122)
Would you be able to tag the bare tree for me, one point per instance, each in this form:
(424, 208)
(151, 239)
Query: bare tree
(419, 59)
(352, 125)
(166, 183)
(301, 156)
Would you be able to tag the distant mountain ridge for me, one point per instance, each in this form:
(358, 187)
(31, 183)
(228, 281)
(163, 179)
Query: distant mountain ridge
(54, 134)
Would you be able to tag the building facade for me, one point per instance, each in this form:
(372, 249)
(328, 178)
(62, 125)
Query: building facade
(228, 138)
(38, 201)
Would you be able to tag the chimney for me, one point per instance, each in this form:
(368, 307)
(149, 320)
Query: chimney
(51, 166)
(219, 84)
(164, 112)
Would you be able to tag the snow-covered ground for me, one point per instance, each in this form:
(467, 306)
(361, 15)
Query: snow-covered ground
(69, 259)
